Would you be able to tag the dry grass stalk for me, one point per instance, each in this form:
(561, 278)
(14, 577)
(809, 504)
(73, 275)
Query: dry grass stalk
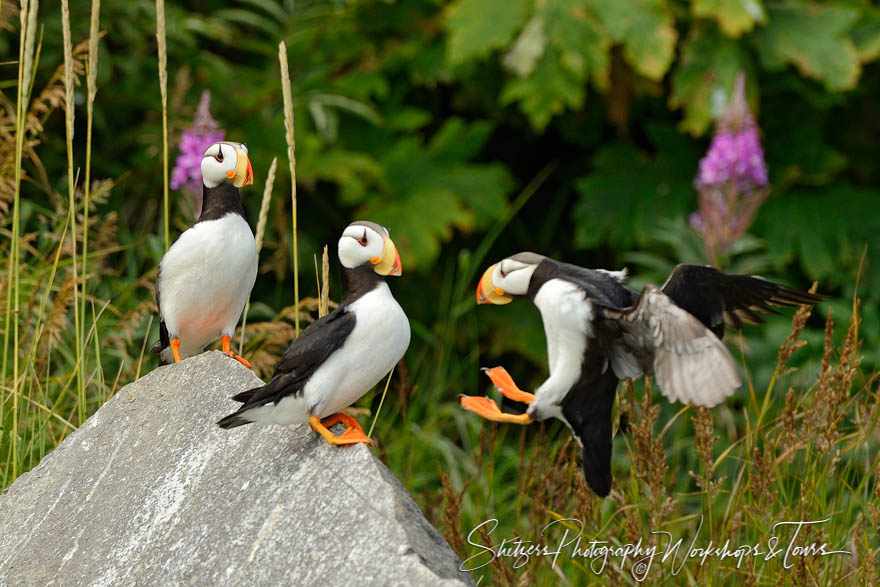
(704, 427)
(261, 231)
(762, 477)
(324, 308)
(92, 91)
(291, 157)
(792, 342)
(790, 441)
(69, 109)
(650, 462)
(264, 204)
(452, 515)
(163, 91)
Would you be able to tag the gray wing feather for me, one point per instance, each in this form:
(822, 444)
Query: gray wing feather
(656, 336)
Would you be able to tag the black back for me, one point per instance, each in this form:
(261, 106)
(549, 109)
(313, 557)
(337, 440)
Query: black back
(596, 284)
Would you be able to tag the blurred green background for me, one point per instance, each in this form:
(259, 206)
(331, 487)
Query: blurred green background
(430, 117)
(439, 120)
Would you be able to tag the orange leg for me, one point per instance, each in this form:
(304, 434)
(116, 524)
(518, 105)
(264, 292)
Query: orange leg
(485, 407)
(225, 340)
(353, 431)
(504, 382)
(175, 349)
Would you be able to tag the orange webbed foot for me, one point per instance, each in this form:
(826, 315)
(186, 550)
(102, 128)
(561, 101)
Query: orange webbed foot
(353, 432)
(226, 349)
(488, 409)
(505, 384)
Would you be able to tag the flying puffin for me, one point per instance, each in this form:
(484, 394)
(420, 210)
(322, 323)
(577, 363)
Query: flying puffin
(599, 331)
(339, 357)
(206, 276)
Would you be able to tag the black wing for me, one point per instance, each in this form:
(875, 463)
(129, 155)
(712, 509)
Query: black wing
(163, 341)
(716, 298)
(301, 359)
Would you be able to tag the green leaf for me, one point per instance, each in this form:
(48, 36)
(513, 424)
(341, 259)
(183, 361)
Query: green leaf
(476, 27)
(546, 92)
(430, 191)
(802, 222)
(558, 50)
(629, 193)
(581, 42)
(813, 38)
(646, 29)
(353, 171)
(866, 34)
(735, 17)
(705, 76)
(422, 219)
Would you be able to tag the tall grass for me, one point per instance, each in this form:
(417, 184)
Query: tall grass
(69, 112)
(291, 158)
(163, 91)
(806, 454)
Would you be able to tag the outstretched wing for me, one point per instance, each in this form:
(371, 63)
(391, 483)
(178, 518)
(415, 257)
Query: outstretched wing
(301, 359)
(717, 299)
(655, 335)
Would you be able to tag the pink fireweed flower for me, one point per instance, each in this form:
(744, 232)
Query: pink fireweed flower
(204, 132)
(732, 177)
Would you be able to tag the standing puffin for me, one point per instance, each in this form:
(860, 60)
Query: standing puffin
(599, 331)
(339, 357)
(206, 276)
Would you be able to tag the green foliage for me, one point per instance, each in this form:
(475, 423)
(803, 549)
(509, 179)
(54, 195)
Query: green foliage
(735, 17)
(705, 76)
(476, 27)
(430, 117)
(645, 29)
(814, 38)
(626, 183)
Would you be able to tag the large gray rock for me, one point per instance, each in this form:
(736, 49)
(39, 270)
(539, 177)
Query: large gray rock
(149, 491)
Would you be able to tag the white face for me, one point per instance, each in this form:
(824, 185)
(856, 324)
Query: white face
(219, 161)
(358, 244)
(513, 276)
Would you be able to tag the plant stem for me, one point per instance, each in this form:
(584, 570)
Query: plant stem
(163, 90)
(291, 157)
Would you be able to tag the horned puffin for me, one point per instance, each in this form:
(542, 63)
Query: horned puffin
(599, 331)
(206, 276)
(341, 356)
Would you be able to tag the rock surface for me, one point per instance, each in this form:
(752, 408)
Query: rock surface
(150, 491)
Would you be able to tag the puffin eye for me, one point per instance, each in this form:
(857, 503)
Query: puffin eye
(219, 155)
(363, 239)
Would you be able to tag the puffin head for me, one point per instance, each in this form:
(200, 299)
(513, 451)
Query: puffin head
(226, 162)
(507, 279)
(367, 243)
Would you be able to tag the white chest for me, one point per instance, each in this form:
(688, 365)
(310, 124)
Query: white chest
(567, 318)
(378, 341)
(205, 279)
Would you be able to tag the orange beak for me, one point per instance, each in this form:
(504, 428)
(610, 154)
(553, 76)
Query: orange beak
(487, 293)
(243, 173)
(389, 262)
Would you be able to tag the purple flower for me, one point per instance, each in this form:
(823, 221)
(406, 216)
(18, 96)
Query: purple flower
(187, 173)
(732, 177)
